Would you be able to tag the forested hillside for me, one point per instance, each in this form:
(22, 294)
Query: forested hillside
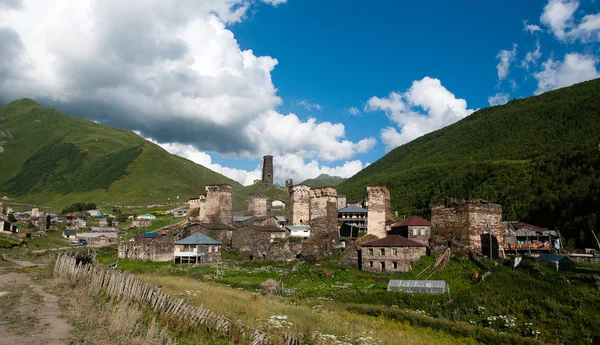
(323, 180)
(538, 157)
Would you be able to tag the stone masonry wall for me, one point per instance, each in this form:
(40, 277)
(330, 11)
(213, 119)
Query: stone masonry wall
(323, 212)
(299, 205)
(484, 217)
(379, 210)
(257, 205)
(423, 234)
(404, 259)
(219, 204)
(146, 250)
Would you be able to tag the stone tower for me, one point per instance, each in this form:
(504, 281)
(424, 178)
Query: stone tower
(378, 198)
(323, 211)
(257, 205)
(299, 205)
(267, 172)
(218, 205)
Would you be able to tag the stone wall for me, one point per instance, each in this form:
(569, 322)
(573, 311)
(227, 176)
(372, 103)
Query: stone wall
(146, 250)
(219, 204)
(379, 215)
(267, 172)
(265, 243)
(459, 224)
(257, 205)
(341, 201)
(220, 232)
(423, 234)
(299, 205)
(349, 257)
(403, 259)
(323, 212)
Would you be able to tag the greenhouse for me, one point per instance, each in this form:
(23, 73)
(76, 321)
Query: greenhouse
(419, 286)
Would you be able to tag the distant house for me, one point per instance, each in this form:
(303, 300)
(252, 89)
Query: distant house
(557, 262)
(391, 254)
(100, 229)
(180, 213)
(414, 228)
(103, 222)
(277, 205)
(94, 213)
(69, 234)
(146, 216)
(141, 223)
(196, 249)
(281, 221)
(78, 223)
(352, 221)
(299, 230)
(521, 237)
(99, 237)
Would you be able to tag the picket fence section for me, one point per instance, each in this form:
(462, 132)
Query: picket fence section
(123, 286)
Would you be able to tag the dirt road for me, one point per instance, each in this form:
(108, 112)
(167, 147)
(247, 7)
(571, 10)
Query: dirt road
(28, 314)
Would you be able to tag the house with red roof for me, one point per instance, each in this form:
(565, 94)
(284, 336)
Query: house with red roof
(391, 254)
(414, 227)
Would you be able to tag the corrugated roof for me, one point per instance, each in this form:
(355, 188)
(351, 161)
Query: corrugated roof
(101, 229)
(97, 234)
(298, 227)
(353, 209)
(551, 258)
(198, 238)
(149, 234)
(394, 241)
(412, 221)
(281, 218)
(418, 283)
(70, 232)
(241, 218)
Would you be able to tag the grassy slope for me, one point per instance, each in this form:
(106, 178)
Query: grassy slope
(496, 153)
(323, 180)
(153, 176)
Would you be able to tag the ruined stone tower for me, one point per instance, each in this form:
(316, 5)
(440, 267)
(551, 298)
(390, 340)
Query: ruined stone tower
(378, 198)
(299, 205)
(257, 205)
(267, 172)
(218, 205)
(323, 211)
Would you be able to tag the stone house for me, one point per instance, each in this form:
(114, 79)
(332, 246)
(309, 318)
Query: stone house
(391, 254)
(99, 237)
(142, 248)
(219, 231)
(197, 249)
(414, 228)
(254, 242)
(141, 223)
(353, 221)
(78, 223)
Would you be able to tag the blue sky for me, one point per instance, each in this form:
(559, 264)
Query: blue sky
(325, 86)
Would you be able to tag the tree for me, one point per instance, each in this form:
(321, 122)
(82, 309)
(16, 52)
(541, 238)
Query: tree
(11, 218)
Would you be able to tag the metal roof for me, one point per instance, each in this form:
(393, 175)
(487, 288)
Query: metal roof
(412, 221)
(198, 238)
(149, 234)
(281, 218)
(394, 241)
(551, 258)
(419, 286)
(353, 209)
(241, 218)
(298, 227)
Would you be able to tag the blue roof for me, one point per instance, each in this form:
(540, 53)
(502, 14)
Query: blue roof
(198, 238)
(353, 209)
(550, 258)
(149, 234)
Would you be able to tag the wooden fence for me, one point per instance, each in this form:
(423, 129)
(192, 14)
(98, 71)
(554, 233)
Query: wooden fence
(123, 286)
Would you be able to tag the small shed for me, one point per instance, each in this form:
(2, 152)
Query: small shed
(419, 286)
(69, 234)
(557, 262)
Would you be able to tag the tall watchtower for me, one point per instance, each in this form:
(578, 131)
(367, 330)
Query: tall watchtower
(267, 172)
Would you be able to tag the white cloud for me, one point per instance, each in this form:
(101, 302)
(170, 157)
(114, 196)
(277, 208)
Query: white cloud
(286, 166)
(354, 111)
(274, 2)
(173, 73)
(513, 84)
(573, 69)
(441, 108)
(558, 15)
(498, 99)
(506, 57)
(531, 28)
(532, 57)
(310, 106)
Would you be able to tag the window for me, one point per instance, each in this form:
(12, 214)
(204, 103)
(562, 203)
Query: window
(415, 232)
(370, 251)
(395, 265)
(371, 263)
(216, 249)
(383, 265)
(382, 251)
(394, 251)
(209, 249)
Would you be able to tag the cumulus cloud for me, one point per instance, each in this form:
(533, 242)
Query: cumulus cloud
(506, 57)
(573, 69)
(354, 111)
(498, 99)
(310, 106)
(558, 15)
(274, 2)
(532, 57)
(173, 73)
(285, 166)
(425, 107)
(531, 28)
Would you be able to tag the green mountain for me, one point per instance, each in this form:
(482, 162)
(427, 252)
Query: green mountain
(52, 159)
(538, 157)
(323, 180)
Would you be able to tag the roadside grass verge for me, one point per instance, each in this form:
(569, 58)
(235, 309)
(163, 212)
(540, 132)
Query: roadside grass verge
(10, 313)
